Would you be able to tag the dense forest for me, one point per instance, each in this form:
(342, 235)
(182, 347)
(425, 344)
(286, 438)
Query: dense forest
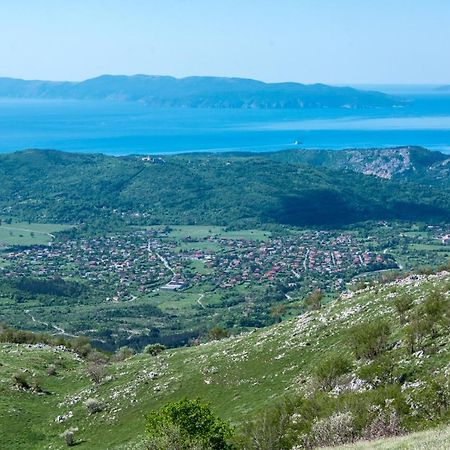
(231, 190)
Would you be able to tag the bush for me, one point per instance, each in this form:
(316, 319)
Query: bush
(123, 353)
(20, 381)
(370, 339)
(93, 405)
(331, 368)
(51, 370)
(190, 420)
(217, 333)
(385, 424)
(154, 349)
(379, 372)
(314, 300)
(96, 372)
(97, 357)
(334, 430)
(69, 436)
(174, 438)
(436, 311)
(81, 345)
(403, 303)
(431, 401)
(271, 430)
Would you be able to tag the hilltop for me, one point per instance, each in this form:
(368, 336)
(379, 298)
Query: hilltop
(244, 376)
(199, 92)
(244, 190)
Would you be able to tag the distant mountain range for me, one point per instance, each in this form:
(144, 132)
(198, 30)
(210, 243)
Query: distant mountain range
(199, 92)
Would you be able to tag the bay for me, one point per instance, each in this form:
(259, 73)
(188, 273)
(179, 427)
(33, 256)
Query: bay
(120, 128)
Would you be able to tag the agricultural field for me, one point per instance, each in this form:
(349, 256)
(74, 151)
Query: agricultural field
(15, 232)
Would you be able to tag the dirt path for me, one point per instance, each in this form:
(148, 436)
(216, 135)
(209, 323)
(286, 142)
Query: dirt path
(199, 301)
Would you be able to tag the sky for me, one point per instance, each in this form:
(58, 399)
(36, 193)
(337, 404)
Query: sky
(308, 41)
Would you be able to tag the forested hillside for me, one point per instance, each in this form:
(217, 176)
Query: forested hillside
(239, 191)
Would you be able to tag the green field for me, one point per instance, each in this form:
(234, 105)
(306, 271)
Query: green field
(431, 247)
(204, 231)
(25, 233)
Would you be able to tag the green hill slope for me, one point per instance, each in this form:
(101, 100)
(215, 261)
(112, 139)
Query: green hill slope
(241, 376)
(242, 191)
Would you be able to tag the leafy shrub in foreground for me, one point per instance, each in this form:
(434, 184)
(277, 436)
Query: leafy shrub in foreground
(191, 424)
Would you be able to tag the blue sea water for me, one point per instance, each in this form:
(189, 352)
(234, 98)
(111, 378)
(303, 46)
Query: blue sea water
(131, 128)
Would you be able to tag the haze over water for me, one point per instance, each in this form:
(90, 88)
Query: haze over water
(131, 128)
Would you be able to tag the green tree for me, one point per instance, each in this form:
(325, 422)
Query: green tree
(186, 425)
(314, 300)
(403, 303)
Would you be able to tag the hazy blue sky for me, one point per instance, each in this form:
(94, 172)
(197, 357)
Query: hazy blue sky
(331, 41)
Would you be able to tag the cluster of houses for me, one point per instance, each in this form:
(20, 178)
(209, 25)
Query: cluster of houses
(142, 261)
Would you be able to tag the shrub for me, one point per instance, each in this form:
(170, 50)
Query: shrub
(379, 372)
(174, 439)
(416, 331)
(20, 381)
(193, 421)
(97, 357)
(123, 353)
(403, 303)
(51, 370)
(432, 400)
(81, 345)
(271, 430)
(385, 424)
(96, 372)
(93, 405)
(370, 339)
(154, 349)
(314, 300)
(331, 368)
(435, 309)
(217, 333)
(334, 430)
(69, 436)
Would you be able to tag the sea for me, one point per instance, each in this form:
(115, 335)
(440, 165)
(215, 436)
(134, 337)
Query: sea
(123, 128)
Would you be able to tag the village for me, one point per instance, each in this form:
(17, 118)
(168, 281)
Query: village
(143, 261)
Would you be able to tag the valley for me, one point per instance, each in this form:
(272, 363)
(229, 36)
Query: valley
(171, 284)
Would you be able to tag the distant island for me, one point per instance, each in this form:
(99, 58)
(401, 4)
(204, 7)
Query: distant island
(199, 92)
